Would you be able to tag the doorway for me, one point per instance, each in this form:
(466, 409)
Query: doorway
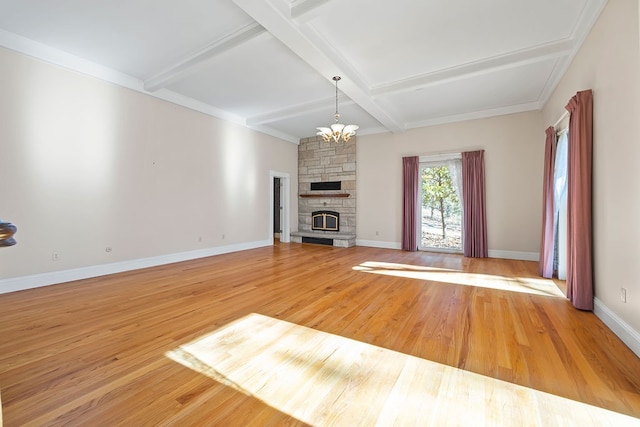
(277, 209)
(440, 221)
(279, 228)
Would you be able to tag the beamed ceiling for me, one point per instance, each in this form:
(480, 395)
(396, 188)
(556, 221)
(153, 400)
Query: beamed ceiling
(268, 64)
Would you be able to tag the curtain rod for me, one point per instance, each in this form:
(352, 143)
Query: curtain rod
(565, 114)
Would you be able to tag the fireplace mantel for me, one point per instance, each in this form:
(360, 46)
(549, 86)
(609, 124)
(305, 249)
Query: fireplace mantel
(324, 195)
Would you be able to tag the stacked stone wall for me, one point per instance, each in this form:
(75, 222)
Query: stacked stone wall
(320, 161)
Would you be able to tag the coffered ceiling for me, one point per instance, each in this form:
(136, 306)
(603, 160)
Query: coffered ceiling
(268, 64)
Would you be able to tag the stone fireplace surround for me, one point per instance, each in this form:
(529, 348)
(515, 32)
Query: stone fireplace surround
(320, 161)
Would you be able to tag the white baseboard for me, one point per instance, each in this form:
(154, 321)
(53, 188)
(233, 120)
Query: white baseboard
(55, 277)
(523, 256)
(378, 244)
(622, 329)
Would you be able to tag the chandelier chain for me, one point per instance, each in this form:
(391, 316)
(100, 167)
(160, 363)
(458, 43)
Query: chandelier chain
(337, 114)
(337, 132)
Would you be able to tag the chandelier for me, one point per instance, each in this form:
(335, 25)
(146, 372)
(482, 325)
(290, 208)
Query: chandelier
(337, 131)
(7, 230)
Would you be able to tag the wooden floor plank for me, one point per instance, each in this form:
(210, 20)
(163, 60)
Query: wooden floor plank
(95, 350)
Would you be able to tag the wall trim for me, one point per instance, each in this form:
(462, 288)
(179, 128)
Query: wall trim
(622, 329)
(522, 256)
(56, 277)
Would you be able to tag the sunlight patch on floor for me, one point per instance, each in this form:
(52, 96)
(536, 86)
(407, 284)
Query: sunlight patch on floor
(324, 379)
(528, 285)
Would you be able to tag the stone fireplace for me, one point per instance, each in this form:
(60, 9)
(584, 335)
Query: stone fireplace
(327, 184)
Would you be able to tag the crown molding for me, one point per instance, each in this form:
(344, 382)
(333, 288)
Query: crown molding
(66, 60)
(588, 17)
(520, 108)
(76, 64)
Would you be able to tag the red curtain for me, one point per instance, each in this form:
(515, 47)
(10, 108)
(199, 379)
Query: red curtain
(579, 232)
(474, 209)
(410, 185)
(545, 266)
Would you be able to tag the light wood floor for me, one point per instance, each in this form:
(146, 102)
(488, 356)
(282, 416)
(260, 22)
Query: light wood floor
(96, 352)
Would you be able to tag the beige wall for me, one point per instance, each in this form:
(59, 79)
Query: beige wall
(514, 150)
(86, 165)
(608, 63)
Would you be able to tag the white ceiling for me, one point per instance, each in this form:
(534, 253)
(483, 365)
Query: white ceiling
(268, 64)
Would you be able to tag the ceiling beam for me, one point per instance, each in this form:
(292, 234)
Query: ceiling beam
(484, 66)
(297, 111)
(306, 9)
(198, 59)
(274, 15)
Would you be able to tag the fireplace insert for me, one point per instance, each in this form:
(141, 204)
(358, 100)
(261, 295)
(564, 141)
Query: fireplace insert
(325, 221)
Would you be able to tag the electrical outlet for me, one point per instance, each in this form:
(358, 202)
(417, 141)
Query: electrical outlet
(623, 295)
(55, 256)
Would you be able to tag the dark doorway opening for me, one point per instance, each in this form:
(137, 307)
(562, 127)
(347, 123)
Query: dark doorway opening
(277, 208)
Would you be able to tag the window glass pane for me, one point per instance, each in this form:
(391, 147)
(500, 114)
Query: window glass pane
(441, 211)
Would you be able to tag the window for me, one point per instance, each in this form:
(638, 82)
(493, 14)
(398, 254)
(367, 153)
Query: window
(440, 218)
(560, 184)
